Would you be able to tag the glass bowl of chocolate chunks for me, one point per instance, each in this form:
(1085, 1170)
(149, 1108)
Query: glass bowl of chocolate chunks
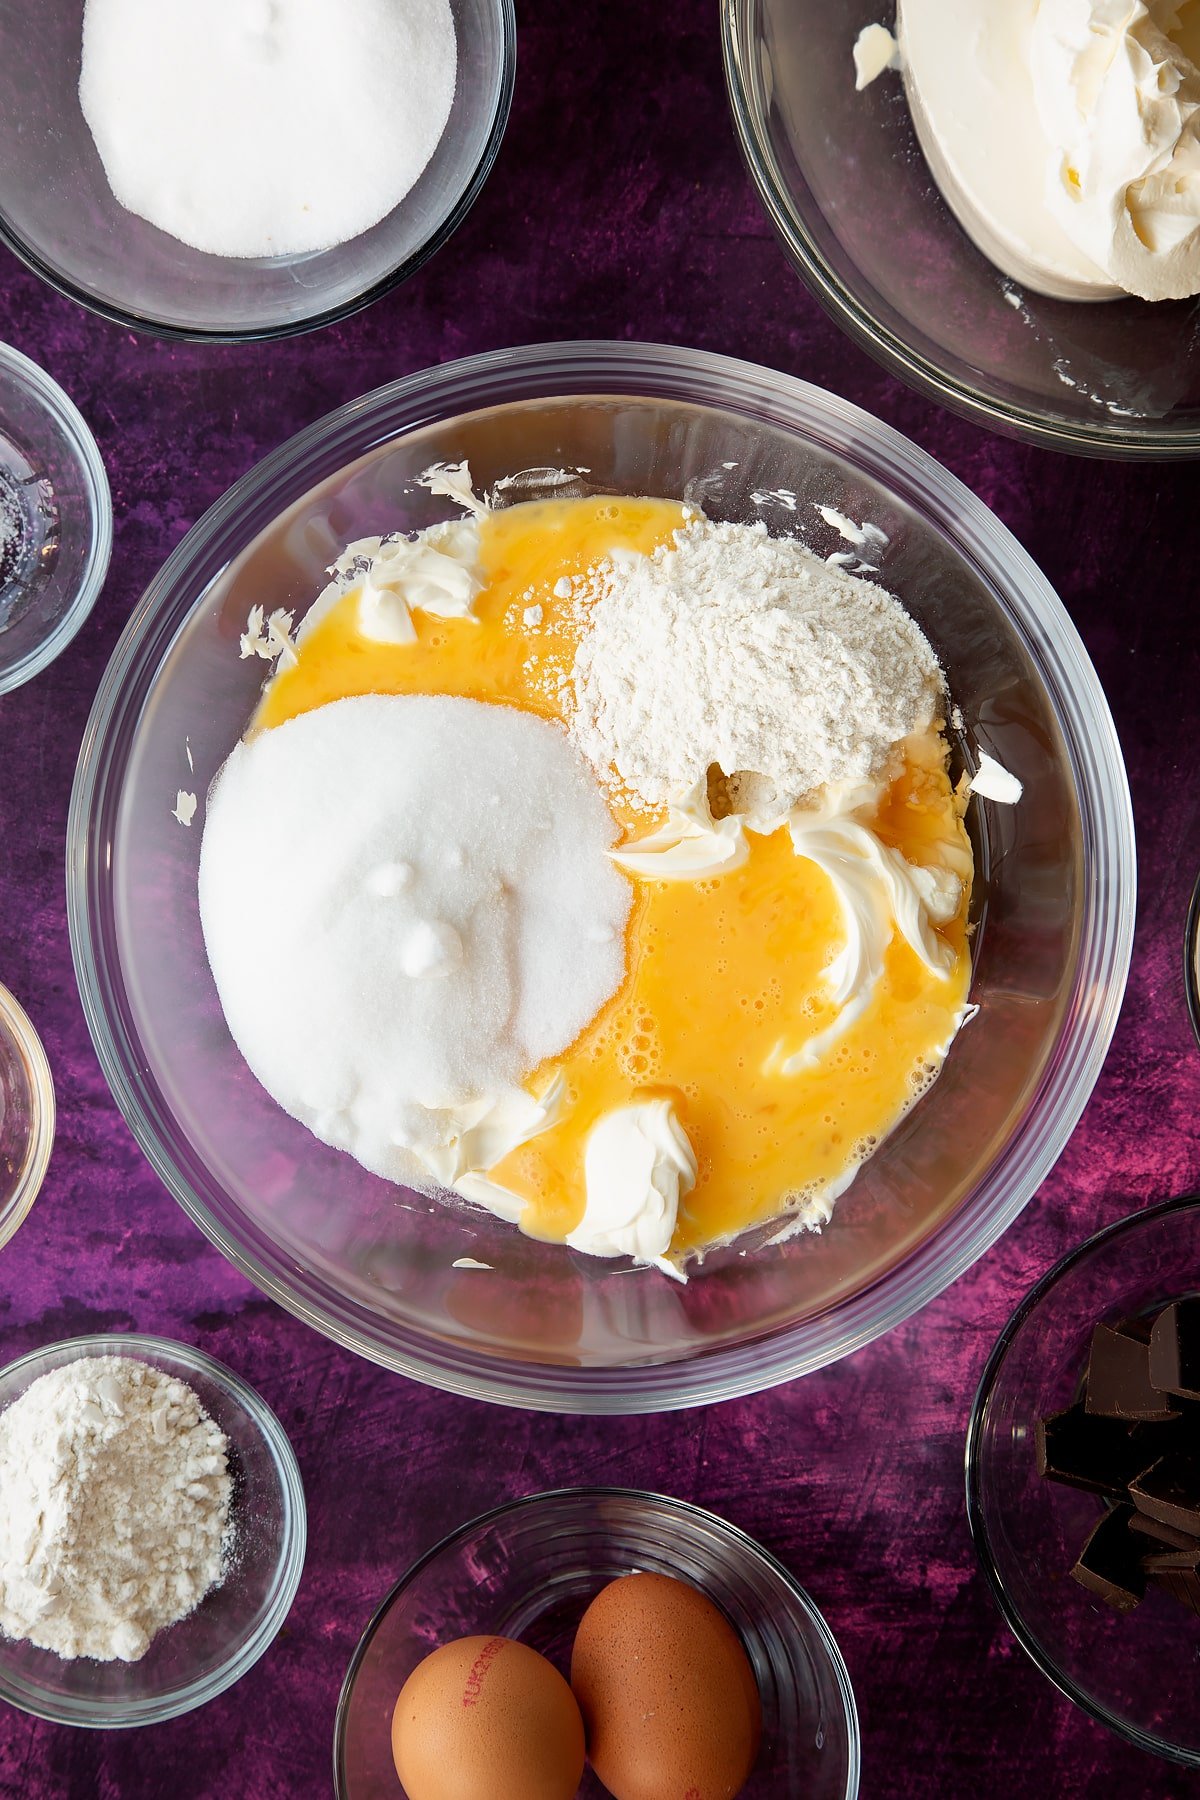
(1083, 1477)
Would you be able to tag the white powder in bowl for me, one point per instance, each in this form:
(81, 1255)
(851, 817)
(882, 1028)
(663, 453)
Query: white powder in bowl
(407, 903)
(734, 648)
(115, 1514)
(266, 127)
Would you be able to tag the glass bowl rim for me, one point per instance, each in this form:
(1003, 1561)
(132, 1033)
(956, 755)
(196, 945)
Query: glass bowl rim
(1120, 442)
(735, 1538)
(1191, 951)
(154, 327)
(293, 1536)
(570, 371)
(16, 1020)
(63, 412)
(973, 1461)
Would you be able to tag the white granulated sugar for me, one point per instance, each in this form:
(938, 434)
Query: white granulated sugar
(737, 649)
(403, 901)
(257, 128)
(115, 1521)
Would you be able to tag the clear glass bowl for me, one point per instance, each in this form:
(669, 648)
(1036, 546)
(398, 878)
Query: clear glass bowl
(373, 1265)
(1139, 1672)
(55, 519)
(192, 1662)
(26, 1115)
(529, 1569)
(58, 213)
(844, 182)
(1191, 960)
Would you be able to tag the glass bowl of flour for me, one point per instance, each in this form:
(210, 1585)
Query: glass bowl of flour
(88, 1483)
(244, 170)
(450, 1294)
(843, 179)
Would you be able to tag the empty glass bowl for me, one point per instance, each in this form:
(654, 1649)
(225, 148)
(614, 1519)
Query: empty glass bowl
(528, 1571)
(191, 1662)
(1138, 1672)
(58, 213)
(55, 519)
(26, 1115)
(378, 1267)
(846, 186)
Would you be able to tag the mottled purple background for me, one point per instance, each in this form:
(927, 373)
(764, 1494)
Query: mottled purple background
(618, 208)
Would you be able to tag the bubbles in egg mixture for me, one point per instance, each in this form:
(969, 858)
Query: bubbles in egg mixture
(722, 972)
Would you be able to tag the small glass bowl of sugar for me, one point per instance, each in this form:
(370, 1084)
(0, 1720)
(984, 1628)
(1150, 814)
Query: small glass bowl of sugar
(307, 159)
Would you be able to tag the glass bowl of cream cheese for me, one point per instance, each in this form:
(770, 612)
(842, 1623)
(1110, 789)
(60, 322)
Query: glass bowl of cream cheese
(245, 171)
(1006, 213)
(453, 1293)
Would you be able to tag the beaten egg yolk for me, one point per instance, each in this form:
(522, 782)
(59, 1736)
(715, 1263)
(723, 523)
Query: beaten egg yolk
(719, 971)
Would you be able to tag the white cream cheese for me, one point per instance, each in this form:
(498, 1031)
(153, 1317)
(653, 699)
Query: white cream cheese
(453, 481)
(879, 892)
(435, 572)
(270, 640)
(458, 1144)
(875, 49)
(690, 846)
(1065, 135)
(638, 1164)
(992, 781)
(1118, 95)
(967, 73)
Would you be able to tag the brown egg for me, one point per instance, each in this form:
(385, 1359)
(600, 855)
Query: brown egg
(486, 1718)
(667, 1693)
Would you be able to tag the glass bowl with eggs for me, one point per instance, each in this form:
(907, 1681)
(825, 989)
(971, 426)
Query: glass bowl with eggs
(601, 877)
(367, 146)
(695, 1661)
(1036, 168)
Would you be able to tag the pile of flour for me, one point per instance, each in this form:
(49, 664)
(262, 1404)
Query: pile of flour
(734, 648)
(258, 128)
(115, 1514)
(407, 905)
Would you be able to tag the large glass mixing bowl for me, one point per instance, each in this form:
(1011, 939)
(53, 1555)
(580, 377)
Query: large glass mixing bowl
(375, 1266)
(843, 180)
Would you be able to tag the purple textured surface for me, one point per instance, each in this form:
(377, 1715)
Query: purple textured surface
(618, 208)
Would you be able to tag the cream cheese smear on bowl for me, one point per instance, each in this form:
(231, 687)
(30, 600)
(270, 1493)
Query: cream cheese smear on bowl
(1064, 135)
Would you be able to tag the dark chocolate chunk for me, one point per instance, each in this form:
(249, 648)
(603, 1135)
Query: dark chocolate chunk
(1118, 1378)
(1182, 1586)
(1170, 1491)
(1110, 1563)
(1175, 1349)
(1102, 1455)
(1158, 1533)
(1166, 1561)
